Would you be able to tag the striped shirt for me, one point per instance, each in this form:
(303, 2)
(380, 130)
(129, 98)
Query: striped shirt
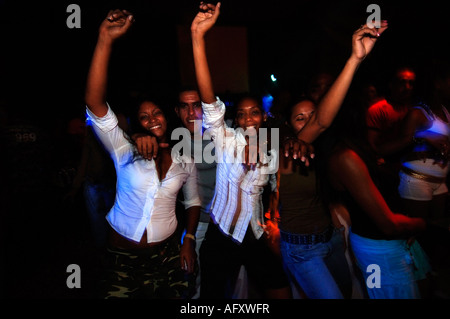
(235, 184)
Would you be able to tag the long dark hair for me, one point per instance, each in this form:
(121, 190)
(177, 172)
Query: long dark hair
(135, 126)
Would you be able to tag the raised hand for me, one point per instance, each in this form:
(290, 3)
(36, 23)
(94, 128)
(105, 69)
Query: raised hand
(116, 24)
(147, 145)
(206, 18)
(298, 149)
(364, 39)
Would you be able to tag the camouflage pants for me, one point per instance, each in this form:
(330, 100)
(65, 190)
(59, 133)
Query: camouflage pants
(150, 273)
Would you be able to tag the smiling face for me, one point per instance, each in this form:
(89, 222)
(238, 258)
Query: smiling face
(152, 119)
(249, 114)
(300, 115)
(189, 109)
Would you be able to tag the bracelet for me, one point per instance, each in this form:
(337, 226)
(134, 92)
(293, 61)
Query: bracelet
(190, 236)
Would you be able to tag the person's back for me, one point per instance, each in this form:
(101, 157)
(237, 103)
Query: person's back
(361, 223)
(377, 235)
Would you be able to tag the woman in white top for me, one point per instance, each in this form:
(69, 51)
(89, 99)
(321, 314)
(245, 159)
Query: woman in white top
(144, 241)
(424, 170)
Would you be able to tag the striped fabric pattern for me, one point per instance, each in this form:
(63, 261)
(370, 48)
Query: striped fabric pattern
(235, 184)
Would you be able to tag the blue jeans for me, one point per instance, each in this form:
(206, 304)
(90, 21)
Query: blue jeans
(395, 263)
(99, 199)
(320, 269)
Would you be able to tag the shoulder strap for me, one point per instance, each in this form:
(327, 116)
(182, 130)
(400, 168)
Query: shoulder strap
(427, 111)
(447, 114)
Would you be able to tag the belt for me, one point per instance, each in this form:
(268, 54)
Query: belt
(309, 239)
(424, 177)
(119, 242)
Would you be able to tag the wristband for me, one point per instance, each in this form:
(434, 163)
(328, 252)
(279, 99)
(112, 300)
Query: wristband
(190, 236)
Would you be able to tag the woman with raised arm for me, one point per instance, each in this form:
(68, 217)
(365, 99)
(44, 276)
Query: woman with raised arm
(237, 202)
(144, 242)
(235, 235)
(311, 241)
(311, 246)
(379, 238)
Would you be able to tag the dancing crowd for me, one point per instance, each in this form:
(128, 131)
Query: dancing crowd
(344, 196)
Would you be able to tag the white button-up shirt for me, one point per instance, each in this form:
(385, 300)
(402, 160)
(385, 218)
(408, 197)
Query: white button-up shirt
(233, 181)
(143, 202)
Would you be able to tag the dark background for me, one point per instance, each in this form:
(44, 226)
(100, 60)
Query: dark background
(45, 63)
(43, 67)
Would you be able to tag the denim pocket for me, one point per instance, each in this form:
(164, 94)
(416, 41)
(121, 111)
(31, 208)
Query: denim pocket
(299, 253)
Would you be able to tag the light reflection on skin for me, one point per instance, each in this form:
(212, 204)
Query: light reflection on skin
(300, 115)
(152, 118)
(189, 109)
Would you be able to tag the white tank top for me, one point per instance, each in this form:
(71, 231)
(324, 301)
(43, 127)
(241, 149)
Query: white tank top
(438, 126)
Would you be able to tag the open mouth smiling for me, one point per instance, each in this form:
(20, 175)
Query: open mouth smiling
(155, 127)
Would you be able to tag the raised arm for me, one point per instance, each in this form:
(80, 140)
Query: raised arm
(115, 25)
(363, 41)
(203, 21)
